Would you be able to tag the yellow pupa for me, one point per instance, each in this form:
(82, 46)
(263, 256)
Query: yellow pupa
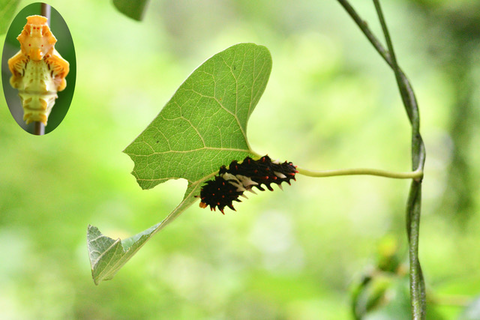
(38, 70)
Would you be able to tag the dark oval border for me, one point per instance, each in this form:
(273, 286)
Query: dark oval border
(64, 46)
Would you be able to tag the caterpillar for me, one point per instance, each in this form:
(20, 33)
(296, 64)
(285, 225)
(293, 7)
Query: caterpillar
(231, 183)
(38, 70)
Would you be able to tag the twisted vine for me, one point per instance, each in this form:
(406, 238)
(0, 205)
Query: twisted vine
(417, 283)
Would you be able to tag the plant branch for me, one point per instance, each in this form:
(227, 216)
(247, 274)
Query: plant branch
(418, 174)
(366, 31)
(407, 94)
(417, 284)
(38, 128)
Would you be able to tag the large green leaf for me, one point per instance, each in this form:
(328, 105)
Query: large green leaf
(7, 11)
(202, 127)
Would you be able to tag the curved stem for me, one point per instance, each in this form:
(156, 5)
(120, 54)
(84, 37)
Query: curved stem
(366, 31)
(417, 174)
(417, 283)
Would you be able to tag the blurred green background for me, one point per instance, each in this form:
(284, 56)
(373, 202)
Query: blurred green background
(331, 102)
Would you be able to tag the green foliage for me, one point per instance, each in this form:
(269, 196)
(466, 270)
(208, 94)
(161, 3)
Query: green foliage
(134, 9)
(202, 127)
(107, 255)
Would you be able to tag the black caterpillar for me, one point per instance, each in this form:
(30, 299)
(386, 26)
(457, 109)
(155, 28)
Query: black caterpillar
(230, 183)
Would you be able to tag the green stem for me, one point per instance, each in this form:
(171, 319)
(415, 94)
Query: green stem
(366, 31)
(417, 284)
(418, 174)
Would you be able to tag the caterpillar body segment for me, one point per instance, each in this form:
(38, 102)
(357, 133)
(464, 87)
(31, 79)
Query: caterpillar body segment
(232, 182)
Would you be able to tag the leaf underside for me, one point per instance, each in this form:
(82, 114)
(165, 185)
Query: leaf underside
(201, 128)
(204, 125)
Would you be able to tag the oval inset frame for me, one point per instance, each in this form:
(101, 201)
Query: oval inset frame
(64, 46)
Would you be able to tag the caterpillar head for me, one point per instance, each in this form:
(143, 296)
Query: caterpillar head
(36, 39)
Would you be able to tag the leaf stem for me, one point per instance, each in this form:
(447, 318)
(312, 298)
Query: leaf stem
(417, 174)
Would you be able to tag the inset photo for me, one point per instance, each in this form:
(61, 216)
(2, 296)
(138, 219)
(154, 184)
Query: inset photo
(38, 68)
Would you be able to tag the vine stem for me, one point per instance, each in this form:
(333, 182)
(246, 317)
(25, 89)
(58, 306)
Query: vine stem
(417, 283)
(417, 174)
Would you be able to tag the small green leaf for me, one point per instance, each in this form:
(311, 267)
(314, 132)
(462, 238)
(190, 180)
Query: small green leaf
(202, 127)
(108, 255)
(134, 9)
(7, 11)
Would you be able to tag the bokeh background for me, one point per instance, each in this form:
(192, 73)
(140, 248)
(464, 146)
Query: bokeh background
(331, 102)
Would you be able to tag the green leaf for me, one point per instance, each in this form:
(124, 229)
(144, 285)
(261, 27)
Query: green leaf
(108, 255)
(131, 8)
(202, 127)
(7, 11)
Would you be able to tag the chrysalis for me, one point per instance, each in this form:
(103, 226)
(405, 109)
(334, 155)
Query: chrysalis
(230, 183)
(38, 70)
